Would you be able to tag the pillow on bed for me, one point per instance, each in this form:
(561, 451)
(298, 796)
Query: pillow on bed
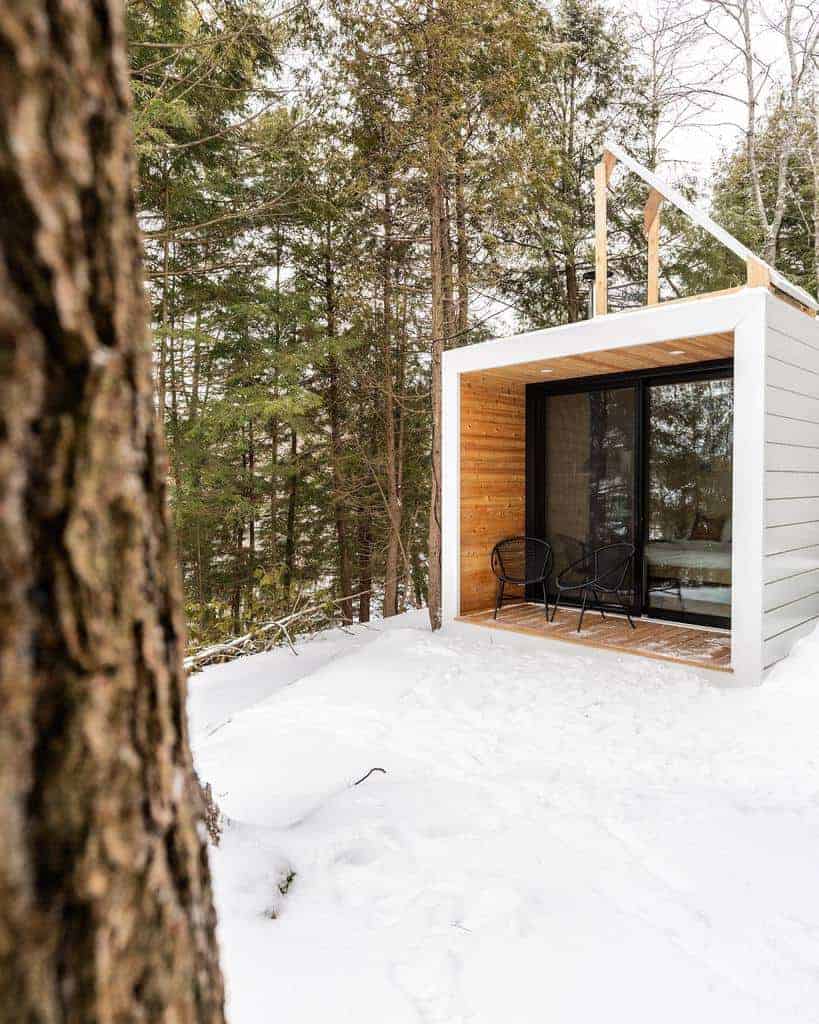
(707, 527)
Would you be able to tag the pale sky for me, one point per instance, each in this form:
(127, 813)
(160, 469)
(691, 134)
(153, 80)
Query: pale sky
(695, 147)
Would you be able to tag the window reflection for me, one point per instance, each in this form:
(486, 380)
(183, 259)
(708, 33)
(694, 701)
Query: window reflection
(688, 550)
(589, 471)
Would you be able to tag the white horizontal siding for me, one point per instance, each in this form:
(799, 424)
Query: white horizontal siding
(786, 511)
(794, 537)
(799, 353)
(790, 563)
(779, 647)
(781, 402)
(783, 430)
(791, 588)
(781, 620)
(792, 458)
(793, 379)
(780, 485)
(791, 545)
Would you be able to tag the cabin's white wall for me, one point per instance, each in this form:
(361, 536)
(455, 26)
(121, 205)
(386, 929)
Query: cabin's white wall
(791, 562)
(748, 492)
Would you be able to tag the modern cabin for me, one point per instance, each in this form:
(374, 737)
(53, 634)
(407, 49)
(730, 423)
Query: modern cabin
(689, 429)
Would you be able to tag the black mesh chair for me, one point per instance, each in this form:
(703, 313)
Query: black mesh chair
(602, 573)
(522, 561)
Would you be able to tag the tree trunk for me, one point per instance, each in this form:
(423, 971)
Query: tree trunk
(193, 407)
(172, 436)
(163, 333)
(250, 571)
(462, 252)
(436, 346)
(418, 578)
(770, 225)
(333, 398)
(446, 264)
(274, 421)
(365, 563)
(292, 501)
(274, 489)
(391, 455)
(239, 564)
(401, 448)
(572, 292)
(105, 896)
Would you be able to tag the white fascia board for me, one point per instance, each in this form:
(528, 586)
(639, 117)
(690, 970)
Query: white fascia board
(616, 330)
(701, 219)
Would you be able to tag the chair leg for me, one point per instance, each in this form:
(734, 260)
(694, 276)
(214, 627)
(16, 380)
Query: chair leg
(582, 610)
(545, 602)
(625, 608)
(557, 602)
(499, 598)
(599, 604)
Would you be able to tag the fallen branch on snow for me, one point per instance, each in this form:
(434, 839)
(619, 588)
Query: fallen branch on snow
(311, 619)
(369, 773)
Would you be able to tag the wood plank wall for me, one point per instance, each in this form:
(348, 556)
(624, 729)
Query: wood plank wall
(493, 479)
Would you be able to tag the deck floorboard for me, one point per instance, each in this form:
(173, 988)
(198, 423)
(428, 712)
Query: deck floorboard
(703, 648)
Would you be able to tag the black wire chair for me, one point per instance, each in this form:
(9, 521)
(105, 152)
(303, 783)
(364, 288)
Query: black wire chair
(523, 562)
(600, 574)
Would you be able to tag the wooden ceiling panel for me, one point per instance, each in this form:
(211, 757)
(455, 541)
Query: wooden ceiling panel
(618, 360)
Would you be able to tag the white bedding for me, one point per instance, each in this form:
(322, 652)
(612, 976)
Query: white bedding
(690, 554)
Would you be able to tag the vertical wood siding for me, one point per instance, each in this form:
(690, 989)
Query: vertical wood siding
(493, 479)
(791, 562)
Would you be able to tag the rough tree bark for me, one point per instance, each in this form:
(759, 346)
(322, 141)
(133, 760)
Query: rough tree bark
(462, 250)
(435, 134)
(446, 264)
(436, 202)
(572, 290)
(333, 401)
(105, 895)
(391, 455)
(365, 566)
(292, 502)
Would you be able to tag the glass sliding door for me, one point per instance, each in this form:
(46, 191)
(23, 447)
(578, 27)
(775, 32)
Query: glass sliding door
(590, 445)
(644, 457)
(689, 438)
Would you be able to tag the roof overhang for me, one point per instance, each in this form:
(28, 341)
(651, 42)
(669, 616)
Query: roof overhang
(662, 332)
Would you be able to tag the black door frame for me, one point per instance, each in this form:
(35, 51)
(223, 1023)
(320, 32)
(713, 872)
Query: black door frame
(640, 381)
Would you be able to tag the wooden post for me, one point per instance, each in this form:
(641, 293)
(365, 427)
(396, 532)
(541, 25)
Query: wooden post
(759, 276)
(651, 223)
(601, 289)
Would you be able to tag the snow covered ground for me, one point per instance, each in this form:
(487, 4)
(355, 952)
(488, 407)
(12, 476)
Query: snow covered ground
(562, 835)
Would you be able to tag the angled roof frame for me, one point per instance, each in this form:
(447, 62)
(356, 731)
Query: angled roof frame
(759, 272)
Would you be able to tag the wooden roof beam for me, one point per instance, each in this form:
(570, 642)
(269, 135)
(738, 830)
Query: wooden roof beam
(651, 224)
(609, 161)
(702, 220)
(652, 209)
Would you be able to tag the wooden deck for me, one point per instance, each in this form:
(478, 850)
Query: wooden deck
(703, 648)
